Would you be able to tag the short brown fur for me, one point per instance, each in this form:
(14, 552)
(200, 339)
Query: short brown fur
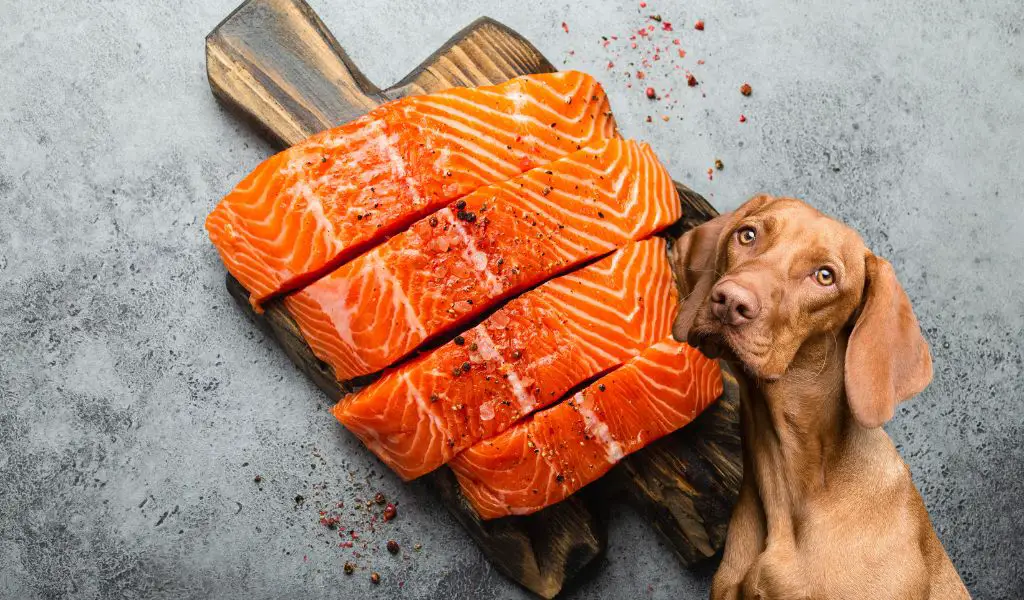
(827, 507)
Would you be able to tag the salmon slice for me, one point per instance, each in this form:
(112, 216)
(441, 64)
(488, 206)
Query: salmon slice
(547, 457)
(312, 207)
(525, 356)
(494, 243)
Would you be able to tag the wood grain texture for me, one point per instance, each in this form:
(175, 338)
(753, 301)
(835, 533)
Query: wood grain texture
(483, 53)
(276, 63)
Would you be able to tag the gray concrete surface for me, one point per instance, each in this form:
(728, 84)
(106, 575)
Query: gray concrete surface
(138, 404)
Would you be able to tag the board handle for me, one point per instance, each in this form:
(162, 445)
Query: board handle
(276, 62)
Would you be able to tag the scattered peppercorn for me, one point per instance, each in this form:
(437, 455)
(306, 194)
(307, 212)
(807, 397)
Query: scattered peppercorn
(390, 512)
(349, 568)
(459, 340)
(691, 80)
(461, 204)
(433, 221)
(379, 498)
(719, 164)
(393, 547)
(375, 578)
(257, 479)
(466, 366)
(560, 478)
(601, 387)
(473, 347)
(745, 89)
(299, 499)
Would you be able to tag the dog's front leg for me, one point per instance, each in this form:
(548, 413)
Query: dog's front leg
(743, 544)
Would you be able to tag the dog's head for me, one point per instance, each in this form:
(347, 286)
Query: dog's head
(762, 281)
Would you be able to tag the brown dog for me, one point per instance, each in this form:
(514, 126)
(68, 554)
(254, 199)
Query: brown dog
(825, 345)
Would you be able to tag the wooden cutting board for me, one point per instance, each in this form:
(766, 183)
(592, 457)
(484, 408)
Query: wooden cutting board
(276, 63)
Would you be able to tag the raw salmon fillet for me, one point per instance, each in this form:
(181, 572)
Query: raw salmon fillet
(312, 207)
(547, 457)
(525, 356)
(494, 243)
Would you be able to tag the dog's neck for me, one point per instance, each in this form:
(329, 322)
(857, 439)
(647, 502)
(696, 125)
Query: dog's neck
(796, 431)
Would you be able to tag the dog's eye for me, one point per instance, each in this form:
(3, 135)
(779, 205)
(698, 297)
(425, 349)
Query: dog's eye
(746, 236)
(824, 276)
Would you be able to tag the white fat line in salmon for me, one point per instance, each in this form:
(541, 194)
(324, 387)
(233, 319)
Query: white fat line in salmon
(495, 128)
(633, 197)
(599, 278)
(274, 212)
(399, 301)
(324, 343)
(593, 291)
(567, 248)
(599, 429)
(468, 141)
(518, 116)
(535, 202)
(423, 405)
(371, 126)
(315, 206)
(472, 153)
(586, 329)
(399, 167)
(485, 345)
(475, 257)
(553, 98)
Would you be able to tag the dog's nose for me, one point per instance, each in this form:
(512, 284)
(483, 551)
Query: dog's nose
(733, 304)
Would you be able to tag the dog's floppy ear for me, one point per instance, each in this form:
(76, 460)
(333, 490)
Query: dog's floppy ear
(694, 260)
(887, 358)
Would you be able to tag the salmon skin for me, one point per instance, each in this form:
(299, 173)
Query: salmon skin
(525, 356)
(547, 457)
(494, 243)
(312, 207)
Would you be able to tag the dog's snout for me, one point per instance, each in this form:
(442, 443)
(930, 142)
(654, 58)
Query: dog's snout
(733, 304)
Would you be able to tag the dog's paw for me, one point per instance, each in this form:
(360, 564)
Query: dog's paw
(726, 586)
